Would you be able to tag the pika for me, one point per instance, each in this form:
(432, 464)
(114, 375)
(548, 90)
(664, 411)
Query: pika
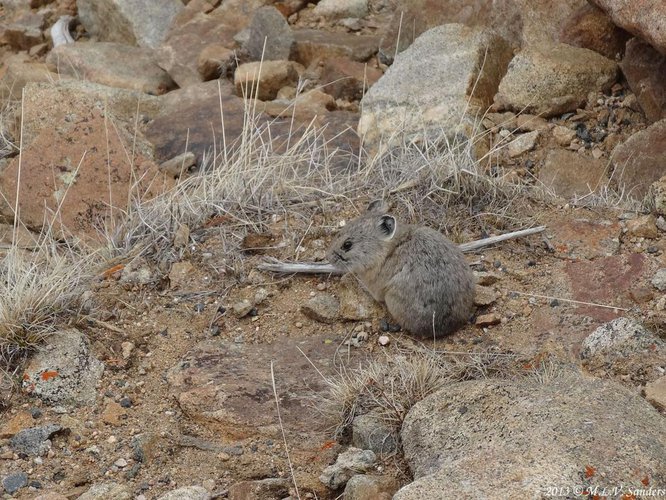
(421, 276)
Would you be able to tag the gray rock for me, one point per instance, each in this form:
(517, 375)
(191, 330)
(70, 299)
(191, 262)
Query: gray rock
(484, 296)
(106, 491)
(435, 87)
(242, 308)
(34, 441)
(551, 79)
(64, 370)
(113, 64)
(187, 493)
(270, 25)
(477, 438)
(272, 488)
(179, 165)
(323, 308)
(659, 280)
(14, 482)
(522, 144)
(128, 21)
(369, 432)
(341, 9)
(619, 338)
(366, 487)
(639, 161)
(349, 463)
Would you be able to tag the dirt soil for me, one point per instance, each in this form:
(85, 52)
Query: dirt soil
(155, 409)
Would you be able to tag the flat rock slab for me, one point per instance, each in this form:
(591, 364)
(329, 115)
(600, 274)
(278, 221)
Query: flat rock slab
(521, 437)
(606, 281)
(227, 386)
(113, 64)
(438, 85)
(128, 21)
(584, 238)
(570, 174)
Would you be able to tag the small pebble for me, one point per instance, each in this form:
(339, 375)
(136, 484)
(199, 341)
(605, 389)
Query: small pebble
(36, 413)
(121, 462)
(321, 287)
(126, 402)
(384, 340)
(199, 307)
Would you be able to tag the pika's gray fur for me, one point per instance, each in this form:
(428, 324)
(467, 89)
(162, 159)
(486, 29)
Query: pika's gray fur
(422, 277)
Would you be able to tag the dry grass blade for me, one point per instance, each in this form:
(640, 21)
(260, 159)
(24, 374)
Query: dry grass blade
(392, 386)
(38, 291)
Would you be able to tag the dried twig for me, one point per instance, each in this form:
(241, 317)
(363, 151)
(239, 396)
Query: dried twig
(275, 266)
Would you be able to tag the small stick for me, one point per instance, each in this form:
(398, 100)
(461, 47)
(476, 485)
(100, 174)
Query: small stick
(275, 266)
(473, 245)
(571, 300)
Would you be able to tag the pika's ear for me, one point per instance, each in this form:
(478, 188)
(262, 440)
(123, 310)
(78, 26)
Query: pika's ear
(378, 206)
(387, 224)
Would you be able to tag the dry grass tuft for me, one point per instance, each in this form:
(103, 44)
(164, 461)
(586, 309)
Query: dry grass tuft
(39, 290)
(391, 386)
(245, 183)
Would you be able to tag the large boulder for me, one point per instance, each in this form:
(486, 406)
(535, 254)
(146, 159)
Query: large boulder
(590, 27)
(644, 18)
(520, 22)
(128, 21)
(645, 71)
(640, 160)
(113, 64)
(439, 85)
(553, 78)
(518, 439)
(76, 139)
(208, 117)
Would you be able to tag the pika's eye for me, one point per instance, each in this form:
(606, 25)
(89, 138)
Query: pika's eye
(347, 245)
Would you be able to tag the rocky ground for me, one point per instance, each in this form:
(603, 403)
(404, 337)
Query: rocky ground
(180, 369)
